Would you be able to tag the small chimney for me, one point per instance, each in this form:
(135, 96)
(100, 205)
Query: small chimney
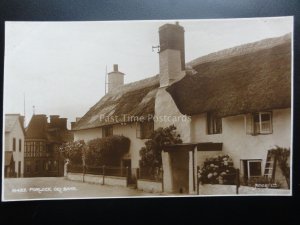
(116, 68)
(115, 78)
(171, 55)
(54, 121)
(77, 119)
(72, 125)
(63, 123)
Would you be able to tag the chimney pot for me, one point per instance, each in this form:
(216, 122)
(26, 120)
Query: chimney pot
(115, 67)
(171, 55)
(115, 78)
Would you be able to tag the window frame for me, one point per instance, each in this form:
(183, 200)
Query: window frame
(20, 145)
(14, 144)
(251, 124)
(107, 131)
(213, 124)
(142, 129)
(248, 167)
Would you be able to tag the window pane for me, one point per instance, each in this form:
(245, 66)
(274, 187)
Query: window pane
(256, 117)
(255, 168)
(265, 117)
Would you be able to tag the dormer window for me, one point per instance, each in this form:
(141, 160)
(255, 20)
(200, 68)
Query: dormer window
(144, 129)
(214, 124)
(107, 131)
(259, 123)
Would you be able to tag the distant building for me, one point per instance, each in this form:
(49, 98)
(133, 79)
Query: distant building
(42, 157)
(14, 145)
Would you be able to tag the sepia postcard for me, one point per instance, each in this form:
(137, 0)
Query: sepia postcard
(165, 108)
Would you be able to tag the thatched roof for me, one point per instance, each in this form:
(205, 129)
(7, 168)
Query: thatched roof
(133, 99)
(243, 79)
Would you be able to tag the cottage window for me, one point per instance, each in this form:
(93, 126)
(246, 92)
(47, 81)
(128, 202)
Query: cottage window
(144, 129)
(252, 168)
(20, 145)
(259, 123)
(14, 144)
(107, 131)
(214, 124)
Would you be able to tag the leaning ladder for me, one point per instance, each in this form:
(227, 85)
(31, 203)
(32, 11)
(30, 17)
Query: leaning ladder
(270, 166)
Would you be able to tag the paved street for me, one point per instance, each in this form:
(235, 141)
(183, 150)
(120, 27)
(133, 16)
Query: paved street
(59, 187)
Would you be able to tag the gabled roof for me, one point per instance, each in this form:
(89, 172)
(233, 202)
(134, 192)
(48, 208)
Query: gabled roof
(247, 78)
(11, 120)
(8, 158)
(133, 99)
(39, 128)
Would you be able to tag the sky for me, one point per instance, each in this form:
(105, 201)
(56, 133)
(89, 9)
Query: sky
(59, 68)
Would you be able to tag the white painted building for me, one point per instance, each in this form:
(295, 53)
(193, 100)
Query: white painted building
(14, 145)
(237, 101)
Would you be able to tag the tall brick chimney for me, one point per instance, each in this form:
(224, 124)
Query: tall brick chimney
(115, 78)
(171, 55)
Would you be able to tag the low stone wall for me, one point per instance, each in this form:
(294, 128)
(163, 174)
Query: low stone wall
(93, 179)
(98, 179)
(149, 186)
(218, 189)
(75, 176)
(115, 181)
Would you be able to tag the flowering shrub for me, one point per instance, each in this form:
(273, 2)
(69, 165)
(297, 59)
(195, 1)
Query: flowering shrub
(74, 151)
(217, 170)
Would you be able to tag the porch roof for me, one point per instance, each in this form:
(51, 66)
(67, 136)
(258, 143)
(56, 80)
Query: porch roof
(201, 146)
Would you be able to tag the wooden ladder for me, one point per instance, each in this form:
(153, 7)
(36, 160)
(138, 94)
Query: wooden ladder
(270, 166)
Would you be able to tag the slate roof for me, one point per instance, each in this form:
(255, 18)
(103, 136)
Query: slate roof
(11, 120)
(39, 128)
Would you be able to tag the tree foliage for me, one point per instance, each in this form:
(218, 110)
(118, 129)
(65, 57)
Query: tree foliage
(151, 153)
(97, 152)
(107, 151)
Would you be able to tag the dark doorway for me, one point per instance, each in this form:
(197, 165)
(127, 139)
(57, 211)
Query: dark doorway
(180, 171)
(127, 168)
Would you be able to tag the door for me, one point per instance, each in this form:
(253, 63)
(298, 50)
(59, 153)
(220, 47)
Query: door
(127, 165)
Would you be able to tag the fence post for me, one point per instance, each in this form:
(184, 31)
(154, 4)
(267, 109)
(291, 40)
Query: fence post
(137, 173)
(237, 181)
(83, 173)
(103, 172)
(127, 175)
(162, 180)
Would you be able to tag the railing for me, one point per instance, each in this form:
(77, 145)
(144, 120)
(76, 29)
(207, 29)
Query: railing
(148, 173)
(99, 170)
(75, 168)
